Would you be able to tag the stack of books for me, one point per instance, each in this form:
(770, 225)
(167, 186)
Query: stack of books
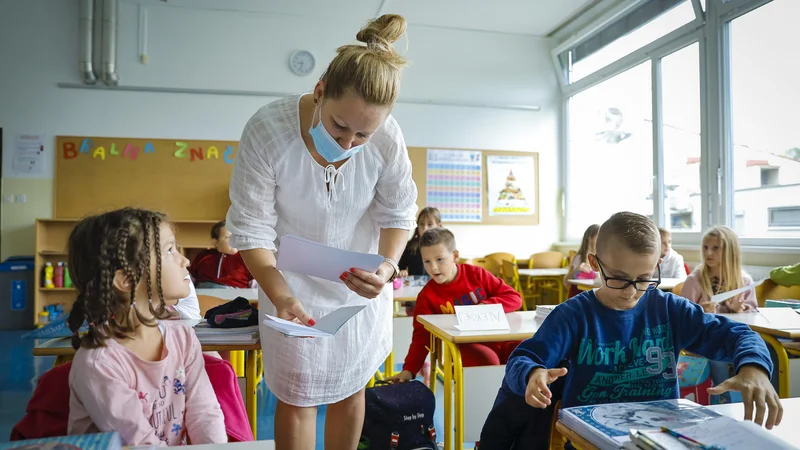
(784, 303)
(542, 311)
(221, 336)
(665, 425)
(99, 441)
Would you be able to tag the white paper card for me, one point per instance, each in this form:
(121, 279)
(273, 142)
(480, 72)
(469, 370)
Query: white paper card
(481, 318)
(310, 258)
(730, 294)
(325, 327)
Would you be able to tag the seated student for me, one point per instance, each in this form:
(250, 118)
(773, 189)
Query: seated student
(579, 267)
(672, 265)
(627, 324)
(134, 373)
(721, 271)
(221, 266)
(411, 261)
(455, 284)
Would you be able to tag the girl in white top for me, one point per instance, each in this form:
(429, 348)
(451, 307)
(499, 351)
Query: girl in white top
(331, 167)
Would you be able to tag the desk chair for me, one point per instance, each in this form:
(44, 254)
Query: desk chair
(769, 290)
(511, 277)
(499, 257)
(555, 284)
(491, 265)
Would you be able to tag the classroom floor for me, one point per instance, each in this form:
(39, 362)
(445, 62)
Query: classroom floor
(21, 370)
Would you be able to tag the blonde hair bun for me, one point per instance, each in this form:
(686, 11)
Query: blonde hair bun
(383, 31)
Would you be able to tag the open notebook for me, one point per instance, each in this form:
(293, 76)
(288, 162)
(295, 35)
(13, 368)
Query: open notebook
(609, 426)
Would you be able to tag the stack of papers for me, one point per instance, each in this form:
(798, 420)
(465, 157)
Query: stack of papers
(542, 311)
(325, 327)
(317, 260)
(244, 335)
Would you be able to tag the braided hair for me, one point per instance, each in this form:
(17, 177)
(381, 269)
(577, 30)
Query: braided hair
(99, 246)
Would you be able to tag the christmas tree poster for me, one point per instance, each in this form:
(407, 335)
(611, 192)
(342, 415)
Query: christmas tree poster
(512, 185)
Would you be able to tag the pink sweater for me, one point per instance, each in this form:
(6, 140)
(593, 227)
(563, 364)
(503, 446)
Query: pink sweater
(149, 403)
(692, 290)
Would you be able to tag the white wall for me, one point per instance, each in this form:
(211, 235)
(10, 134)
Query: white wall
(205, 49)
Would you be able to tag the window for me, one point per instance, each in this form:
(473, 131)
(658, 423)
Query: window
(611, 150)
(764, 96)
(647, 23)
(680, 135)
(784, 217)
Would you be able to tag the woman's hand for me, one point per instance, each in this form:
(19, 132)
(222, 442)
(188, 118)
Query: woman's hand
(290, 308)
(366, 284)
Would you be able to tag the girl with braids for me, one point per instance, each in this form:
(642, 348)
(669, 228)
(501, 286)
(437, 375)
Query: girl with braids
(134, 373)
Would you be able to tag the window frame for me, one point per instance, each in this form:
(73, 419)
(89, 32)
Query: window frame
(711, 29)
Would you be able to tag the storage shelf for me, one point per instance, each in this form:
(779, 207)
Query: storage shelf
(42, 289)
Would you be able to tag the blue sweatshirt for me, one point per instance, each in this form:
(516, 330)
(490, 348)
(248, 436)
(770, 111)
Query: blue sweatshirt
(629, 356)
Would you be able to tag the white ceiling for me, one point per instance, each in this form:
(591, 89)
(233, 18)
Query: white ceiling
(529, 17)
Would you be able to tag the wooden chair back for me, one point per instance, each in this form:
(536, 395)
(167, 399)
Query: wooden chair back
(492, 266)
(677, 289)
(546, 260)
(207, 302)
(500, 257)
(769, 290)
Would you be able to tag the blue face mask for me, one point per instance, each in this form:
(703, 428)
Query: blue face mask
(326, 145)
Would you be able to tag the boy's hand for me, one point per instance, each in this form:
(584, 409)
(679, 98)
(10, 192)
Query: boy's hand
(752, 381)
(709, 307)
(401, 377)
(538, 394)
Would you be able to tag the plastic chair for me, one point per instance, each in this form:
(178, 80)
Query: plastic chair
(677, 289)
(500, 257)
(554, 284)
(491, 265)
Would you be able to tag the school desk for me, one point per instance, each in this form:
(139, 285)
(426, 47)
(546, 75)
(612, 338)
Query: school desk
(230, 294)
(445, 353)
(252, 445)
(544, 272)
(774, 324)
(667, 284)
(787, 431)
(62, 349)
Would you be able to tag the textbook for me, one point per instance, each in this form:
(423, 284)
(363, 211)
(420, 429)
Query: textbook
(99, 441)
(611, 426)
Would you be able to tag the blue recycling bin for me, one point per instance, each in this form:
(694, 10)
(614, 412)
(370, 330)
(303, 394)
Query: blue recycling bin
(16, 293)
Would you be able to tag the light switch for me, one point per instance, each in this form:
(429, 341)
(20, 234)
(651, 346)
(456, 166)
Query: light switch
(8, 198)
(22, 198)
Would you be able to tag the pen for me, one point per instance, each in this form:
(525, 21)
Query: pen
(682, 437)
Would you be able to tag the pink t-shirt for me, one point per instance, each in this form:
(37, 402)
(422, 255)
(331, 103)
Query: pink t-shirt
(148, 402)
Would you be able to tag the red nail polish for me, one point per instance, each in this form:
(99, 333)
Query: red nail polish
(352, 270)
(311, 322)
(345, 275)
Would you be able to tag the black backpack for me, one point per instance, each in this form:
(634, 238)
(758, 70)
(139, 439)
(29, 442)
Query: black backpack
(399, 416)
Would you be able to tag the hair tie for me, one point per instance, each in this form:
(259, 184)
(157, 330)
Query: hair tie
(106, 323)
(113, 317)
(150, 301)
(91, 324)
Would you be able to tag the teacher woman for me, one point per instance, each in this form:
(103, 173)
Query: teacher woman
(332, 167)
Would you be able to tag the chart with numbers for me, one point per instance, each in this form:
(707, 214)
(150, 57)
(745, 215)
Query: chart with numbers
(453, 180)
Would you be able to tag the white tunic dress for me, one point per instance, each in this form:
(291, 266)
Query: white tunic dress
(277, 188)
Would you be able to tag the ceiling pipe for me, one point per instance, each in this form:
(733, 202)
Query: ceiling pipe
(110, 76)
(86, 29)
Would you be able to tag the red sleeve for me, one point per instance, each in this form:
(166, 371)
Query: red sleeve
(497, 291)
(421, 338)
(195, 264)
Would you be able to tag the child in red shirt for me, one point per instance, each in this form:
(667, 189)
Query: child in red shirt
(452, 284)
(221, 266)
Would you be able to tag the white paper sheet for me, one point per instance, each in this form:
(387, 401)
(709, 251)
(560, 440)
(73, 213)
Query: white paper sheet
(726, 295)
(310, 258)
(325, 327)
(481, 318)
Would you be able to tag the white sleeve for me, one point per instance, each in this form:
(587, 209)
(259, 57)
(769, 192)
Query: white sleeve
(251, 217)
(189, 307)
(395, 203)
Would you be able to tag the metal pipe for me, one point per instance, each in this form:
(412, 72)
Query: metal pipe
(86, 25)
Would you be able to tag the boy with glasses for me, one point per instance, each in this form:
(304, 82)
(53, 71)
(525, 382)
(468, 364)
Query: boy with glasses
(622, 340)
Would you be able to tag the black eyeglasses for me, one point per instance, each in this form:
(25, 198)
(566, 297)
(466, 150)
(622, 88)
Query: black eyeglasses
(621, 283)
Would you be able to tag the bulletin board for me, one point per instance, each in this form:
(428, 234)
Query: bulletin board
(419, 165)
(186, 179)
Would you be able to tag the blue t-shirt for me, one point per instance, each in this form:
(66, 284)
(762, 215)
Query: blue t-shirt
(629, 356)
